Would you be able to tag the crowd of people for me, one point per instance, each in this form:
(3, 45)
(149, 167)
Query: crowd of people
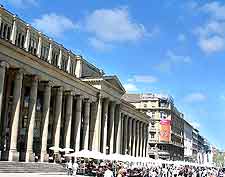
(120, 169)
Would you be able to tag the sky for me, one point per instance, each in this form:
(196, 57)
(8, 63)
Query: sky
(154, 46)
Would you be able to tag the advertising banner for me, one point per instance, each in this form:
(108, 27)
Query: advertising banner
(165, 130)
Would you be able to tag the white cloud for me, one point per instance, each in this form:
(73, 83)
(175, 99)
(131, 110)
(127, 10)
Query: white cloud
(130, 87)
(144, 79)
(23, 3)
(172, 60)
(211, 35)
(181, 37)
(215, 10)
(195, 97)
(98, 44)
(114, 25)
(53, 24)
(212, 44)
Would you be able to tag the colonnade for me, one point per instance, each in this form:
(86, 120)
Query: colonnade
(68, 119)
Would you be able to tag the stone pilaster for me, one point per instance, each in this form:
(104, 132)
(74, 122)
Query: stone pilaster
(69, 110)
(57, 121)
(45, 119)
(86, 123)
(3, 67)
(104, 125)
(18, 84)
(134, 138)
(111, 126)
(77, 127)
(31, 118)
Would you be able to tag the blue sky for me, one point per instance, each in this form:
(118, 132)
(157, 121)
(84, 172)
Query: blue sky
(172, 47)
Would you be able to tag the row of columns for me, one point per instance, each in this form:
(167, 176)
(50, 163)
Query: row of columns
(135, 136)
(17, 89)
(105, 127)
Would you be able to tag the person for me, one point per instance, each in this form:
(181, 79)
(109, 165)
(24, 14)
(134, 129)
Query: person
(69, 166)
(75, 167)
(108, 172)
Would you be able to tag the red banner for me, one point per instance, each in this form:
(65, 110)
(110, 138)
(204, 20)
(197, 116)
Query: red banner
(165, 130)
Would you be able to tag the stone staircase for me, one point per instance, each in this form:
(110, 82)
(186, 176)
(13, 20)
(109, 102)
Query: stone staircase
(32, 167)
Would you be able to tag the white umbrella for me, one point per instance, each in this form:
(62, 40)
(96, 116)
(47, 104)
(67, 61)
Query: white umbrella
(115, 156)
(54, 148)
(89, 154)
(67, 150)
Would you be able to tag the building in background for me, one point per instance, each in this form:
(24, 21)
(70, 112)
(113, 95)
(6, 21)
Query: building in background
(195, 133)
(188, 140)
(166, 125)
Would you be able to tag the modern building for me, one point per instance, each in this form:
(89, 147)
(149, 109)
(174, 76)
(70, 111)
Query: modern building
(51, 97)
(195, 133)
(166, 125)
(188, 141)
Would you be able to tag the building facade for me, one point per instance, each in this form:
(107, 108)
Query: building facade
(51, 97)
(166, 125)
(188, 141)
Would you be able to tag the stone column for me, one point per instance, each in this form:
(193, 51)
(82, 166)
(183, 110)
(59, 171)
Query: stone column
(97, 125)
(104, 125)
(57, 121)
(144, 140)
(18, 84)
(45, 119)
(137, 139)
(31, 118)
(119, 131)
(125, 130)
(68, 66)
(79, 67)
(3, 67)
(87, 105)
(134, 138)
(69, 110)
(49, 59)
(27, 40)
(111, 126)
(122, 134)
(59, 64)
(39, 45)
(141, 139)
(129, 136)
(77, 127)
(14, 30)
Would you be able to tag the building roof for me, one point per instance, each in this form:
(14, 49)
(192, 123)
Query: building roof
(132, 98)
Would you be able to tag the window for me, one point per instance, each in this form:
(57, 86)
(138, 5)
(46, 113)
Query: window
(145, 105)
(152, 135)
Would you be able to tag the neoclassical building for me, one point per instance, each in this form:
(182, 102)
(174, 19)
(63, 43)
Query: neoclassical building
(50, 96)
